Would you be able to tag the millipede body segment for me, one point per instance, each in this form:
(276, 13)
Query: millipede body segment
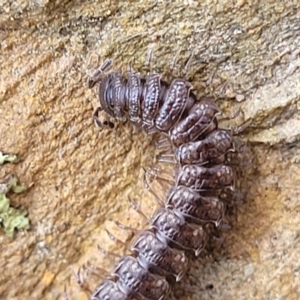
(199, 149)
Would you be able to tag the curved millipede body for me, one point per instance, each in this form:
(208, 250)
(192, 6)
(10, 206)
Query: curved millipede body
(199, 149)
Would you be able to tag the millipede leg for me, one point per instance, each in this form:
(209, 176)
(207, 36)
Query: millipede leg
(231, 117)
(170, 155)
(162, 143)
(241, 128)
(187, 66)
(149, 130)
(65, 295)
(164, 183)
(97, 122)
(166, 158)
(122, 226)
(94, 268)
(147, 186)
(241, 156)
(96, 77)
(137, 209)
(169, 73)
(174, 61)
(210, 78)
(106, 252)
(149, 59)
(81, 281)
(116, 240)
(154, 172)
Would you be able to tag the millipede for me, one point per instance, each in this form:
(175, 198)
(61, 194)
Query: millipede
(194, 202)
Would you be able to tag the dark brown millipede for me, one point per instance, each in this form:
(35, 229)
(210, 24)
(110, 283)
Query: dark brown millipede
(199, 150)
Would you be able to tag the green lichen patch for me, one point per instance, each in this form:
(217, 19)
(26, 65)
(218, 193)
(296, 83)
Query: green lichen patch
(9, 158)
(11, 218)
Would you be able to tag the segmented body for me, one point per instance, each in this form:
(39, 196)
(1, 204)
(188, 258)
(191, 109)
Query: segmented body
(199, 148)
(211, 148)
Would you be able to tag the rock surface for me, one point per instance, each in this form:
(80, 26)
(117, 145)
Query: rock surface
(246, 54)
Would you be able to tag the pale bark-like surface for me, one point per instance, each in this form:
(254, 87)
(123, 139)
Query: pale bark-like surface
(247, 52)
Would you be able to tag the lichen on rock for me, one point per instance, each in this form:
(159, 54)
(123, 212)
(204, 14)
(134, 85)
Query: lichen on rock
(11, 218)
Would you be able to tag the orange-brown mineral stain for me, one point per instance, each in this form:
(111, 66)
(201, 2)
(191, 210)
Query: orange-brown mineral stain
(48, 278)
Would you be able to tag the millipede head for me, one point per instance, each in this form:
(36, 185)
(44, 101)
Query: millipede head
(106, 95)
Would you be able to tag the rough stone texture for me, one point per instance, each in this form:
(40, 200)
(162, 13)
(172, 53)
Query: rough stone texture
(246, 54)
